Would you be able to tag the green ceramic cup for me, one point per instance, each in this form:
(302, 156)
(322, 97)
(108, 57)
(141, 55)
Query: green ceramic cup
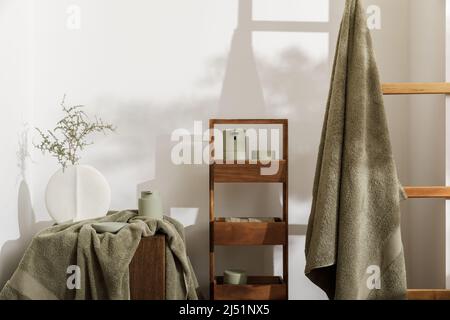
(150, 205)
(235, 277)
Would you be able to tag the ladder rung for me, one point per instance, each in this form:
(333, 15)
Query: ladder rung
(425, 294)
(428, 192)
(416, 88)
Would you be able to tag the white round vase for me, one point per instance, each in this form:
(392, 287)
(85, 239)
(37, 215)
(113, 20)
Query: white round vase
(77, 193)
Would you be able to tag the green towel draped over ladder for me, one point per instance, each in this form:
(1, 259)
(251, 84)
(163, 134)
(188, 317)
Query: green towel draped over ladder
(353, 243)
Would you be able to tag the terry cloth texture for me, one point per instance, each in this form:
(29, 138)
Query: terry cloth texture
(353, 243)
(103, 260)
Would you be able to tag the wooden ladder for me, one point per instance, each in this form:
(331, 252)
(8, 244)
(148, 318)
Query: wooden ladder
(423, 192)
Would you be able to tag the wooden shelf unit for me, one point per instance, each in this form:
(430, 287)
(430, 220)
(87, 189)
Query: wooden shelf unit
(223, 233)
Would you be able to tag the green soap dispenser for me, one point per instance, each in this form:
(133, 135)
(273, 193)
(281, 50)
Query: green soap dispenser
(150, 205)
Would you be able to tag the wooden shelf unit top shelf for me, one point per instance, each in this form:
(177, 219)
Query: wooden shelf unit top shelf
(224, 233)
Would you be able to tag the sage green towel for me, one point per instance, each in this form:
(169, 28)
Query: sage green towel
(354, 226)
(103, 260)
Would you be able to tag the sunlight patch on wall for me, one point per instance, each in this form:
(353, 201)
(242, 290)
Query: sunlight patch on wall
(302, 209)
(291, 10)
(187, 216)
(150, 50)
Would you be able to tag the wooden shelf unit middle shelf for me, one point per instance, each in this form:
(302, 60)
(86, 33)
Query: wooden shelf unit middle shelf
(248, 233)
(274, 172)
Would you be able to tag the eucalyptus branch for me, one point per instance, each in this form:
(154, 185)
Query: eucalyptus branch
(69, 136)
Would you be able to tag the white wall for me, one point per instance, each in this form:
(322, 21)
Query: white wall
(15, 41)
(154, 66)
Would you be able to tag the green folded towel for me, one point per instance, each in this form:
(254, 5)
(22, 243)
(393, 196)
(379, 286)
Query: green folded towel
(354, 226)
(103, 260)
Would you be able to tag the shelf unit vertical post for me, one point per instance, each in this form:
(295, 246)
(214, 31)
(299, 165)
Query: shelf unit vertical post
(212, 270)
(286, 206)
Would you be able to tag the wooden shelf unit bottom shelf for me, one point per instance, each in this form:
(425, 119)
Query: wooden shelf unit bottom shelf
(257, 288)
(248, 233)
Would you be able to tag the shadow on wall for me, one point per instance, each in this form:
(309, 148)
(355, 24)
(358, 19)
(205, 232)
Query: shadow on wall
(290, 87)
(242, 94)
(294, 88)
(143, 147)
(142, 151)
(12, 250)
